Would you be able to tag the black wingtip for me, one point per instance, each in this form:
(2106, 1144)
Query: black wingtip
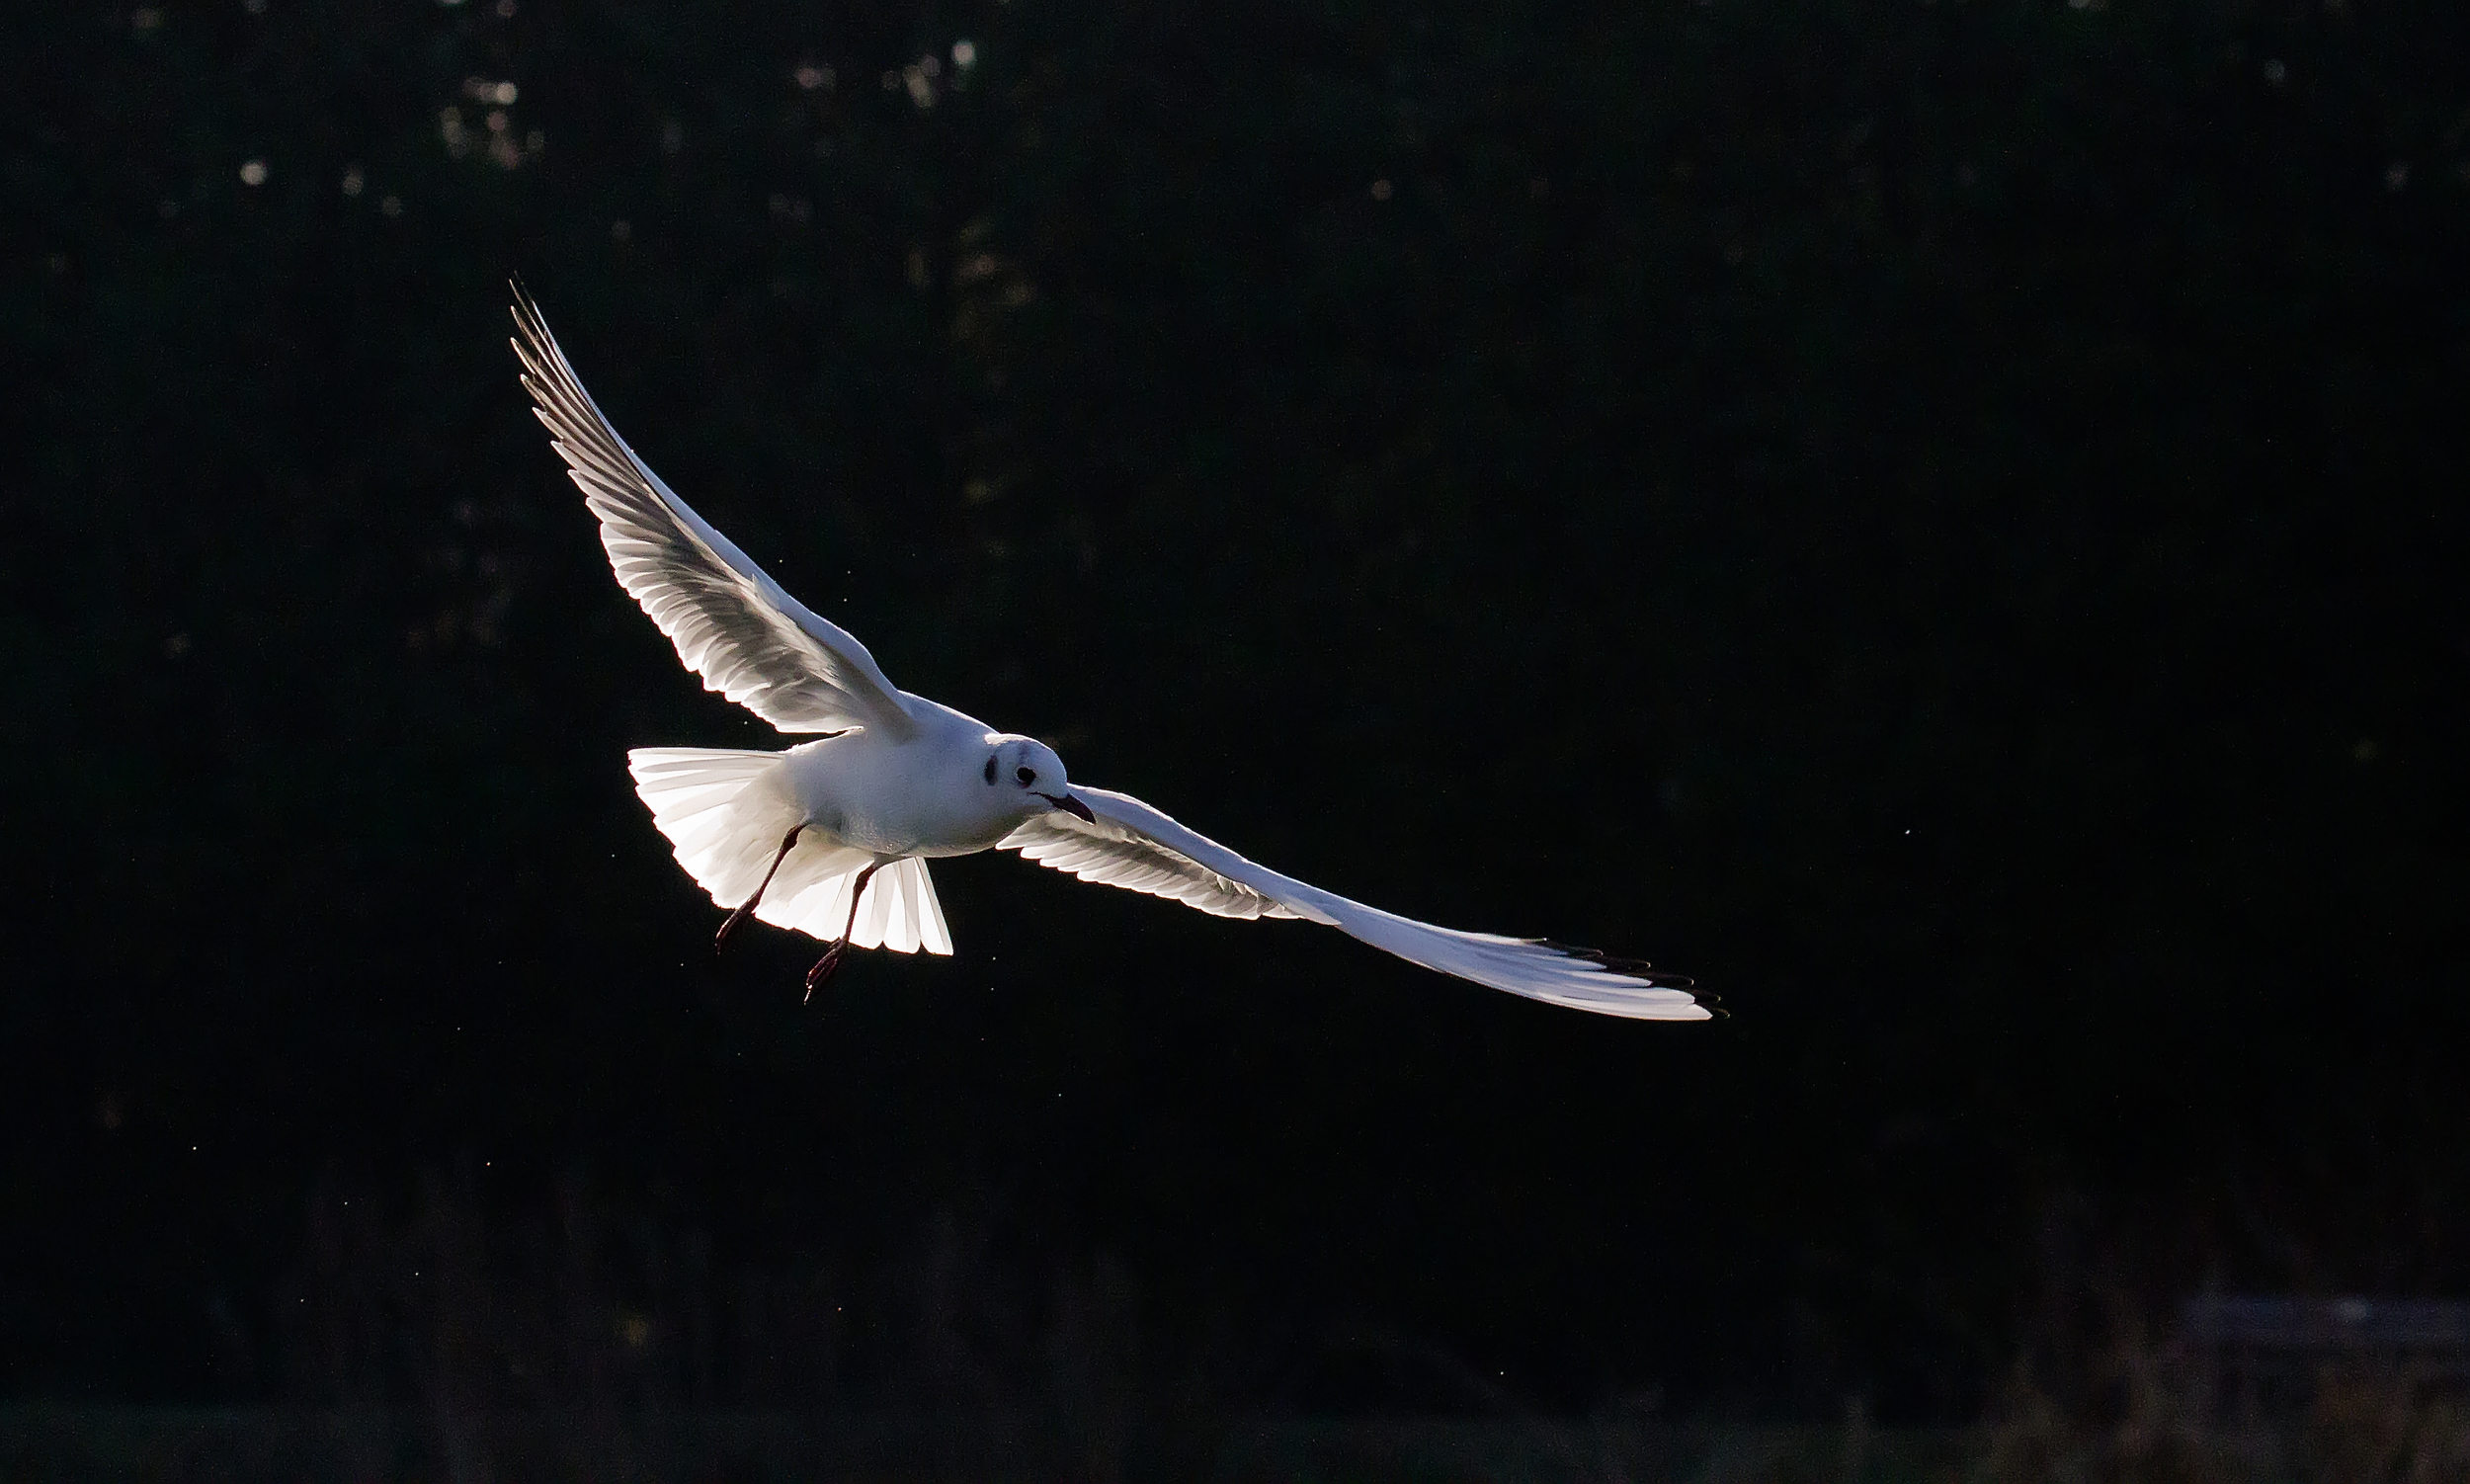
(525, 308)
(532, 329)
(1639, 969)
(1636, 968)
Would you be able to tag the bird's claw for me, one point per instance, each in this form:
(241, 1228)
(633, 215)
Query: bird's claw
(823, 968)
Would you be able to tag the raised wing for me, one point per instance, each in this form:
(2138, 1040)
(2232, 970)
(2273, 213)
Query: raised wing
(733, 625)
(1133, 846)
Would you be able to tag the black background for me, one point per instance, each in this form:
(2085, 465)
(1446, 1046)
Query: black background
(1942, 521)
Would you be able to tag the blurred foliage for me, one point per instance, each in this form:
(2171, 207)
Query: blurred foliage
(1941, 520)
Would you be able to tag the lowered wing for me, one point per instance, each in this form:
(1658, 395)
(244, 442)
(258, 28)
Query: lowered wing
(1133, 846)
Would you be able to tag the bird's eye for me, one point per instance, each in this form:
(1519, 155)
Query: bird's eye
(990, 767)
(1027, 774)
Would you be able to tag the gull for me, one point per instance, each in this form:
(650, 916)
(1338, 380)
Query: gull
(831, 838)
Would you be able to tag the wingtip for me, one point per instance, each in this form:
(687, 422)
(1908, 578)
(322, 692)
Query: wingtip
(1634, 968)
(531, 325)
(1707, 1005)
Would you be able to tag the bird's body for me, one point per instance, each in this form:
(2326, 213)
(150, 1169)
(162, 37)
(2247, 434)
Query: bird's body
(924, 796)
(830, 837)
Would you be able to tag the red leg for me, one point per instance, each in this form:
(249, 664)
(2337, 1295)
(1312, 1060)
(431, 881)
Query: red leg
(831, 958)
(721, 938)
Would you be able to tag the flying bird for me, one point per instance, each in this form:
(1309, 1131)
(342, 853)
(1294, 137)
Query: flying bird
(832, 837)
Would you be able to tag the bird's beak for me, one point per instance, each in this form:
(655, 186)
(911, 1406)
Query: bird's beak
(1070, 805)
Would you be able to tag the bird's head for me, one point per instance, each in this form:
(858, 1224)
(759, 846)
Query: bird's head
(1030, 774)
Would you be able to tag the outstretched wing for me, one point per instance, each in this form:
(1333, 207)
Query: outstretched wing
(1115, 850)
(1133, 846)
(733, 625)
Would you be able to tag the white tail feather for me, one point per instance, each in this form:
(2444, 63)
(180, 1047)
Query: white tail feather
(726, 814)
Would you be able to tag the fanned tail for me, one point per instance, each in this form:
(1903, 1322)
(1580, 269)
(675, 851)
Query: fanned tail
(726, 812)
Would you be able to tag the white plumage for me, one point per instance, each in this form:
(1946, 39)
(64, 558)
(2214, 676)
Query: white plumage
(726, 812)
(897, 778)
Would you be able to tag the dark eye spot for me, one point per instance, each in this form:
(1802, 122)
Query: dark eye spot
(1027, 774)
(990, 768)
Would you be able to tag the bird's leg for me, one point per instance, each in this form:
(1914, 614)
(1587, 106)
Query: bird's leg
(831, 958)
(789, 841)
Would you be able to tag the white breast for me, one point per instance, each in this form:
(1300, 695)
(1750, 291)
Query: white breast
(920, 798)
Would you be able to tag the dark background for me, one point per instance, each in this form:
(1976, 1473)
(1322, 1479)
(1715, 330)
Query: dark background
(1942, 521)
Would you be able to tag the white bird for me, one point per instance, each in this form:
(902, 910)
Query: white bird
(797, 838)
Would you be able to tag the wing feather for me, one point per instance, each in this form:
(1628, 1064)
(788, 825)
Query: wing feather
(1113, 853)
(1135, 846)
(733, 625)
